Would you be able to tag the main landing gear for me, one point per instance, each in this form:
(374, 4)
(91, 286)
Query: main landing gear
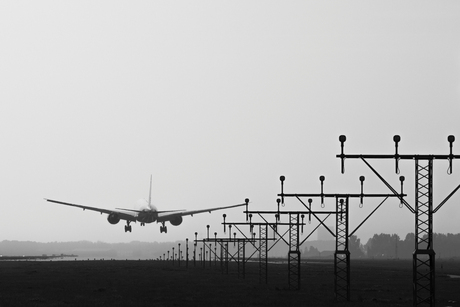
(128, 227)
(163, 228)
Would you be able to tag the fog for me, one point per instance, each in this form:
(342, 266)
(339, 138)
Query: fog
(216, 100)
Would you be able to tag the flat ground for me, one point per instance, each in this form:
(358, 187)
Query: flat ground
(159, 283)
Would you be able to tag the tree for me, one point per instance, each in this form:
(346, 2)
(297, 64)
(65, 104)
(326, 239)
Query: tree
(355, 247)
(383, 246)
(313, 252)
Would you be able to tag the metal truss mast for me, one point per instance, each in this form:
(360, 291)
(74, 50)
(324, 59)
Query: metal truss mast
(424, 254)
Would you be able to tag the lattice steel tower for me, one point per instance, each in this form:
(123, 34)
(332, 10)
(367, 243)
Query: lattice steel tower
(342, 254)
(424, 254)
(294, 252)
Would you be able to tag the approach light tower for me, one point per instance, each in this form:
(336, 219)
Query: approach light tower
(342, 234)
(424, 255)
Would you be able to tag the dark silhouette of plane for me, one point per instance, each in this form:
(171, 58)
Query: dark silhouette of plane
(147, 214)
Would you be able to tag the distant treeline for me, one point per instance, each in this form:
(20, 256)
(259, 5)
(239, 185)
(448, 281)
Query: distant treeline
(132, 250)
(386, 246)
(391, 246)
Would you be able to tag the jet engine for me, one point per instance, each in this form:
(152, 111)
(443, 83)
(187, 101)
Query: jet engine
(113, 218)
(176, 221)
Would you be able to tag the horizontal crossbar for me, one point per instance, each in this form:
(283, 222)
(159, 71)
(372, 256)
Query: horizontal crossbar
(342, 195)
(403, 157)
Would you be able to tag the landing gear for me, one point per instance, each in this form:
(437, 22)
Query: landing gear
(127, 227)
(163, 228)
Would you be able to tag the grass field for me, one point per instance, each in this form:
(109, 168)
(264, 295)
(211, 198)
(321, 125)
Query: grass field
(159, 283)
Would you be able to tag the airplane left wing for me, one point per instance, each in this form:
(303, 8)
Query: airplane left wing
(123, 215)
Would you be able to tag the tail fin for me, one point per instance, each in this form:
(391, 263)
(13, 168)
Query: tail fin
(150, 193)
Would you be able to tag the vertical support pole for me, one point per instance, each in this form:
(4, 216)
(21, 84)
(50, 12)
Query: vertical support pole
(186, 253)
(178, 259)
(222, 253)
(424, 255)
(241, 256)
(194, 249)
(215, 254)
(263, 253)
(210, 247)
(210, 254)
(226, 257)
(342, 254)
(294, 253)
(244, 258)
(215, 249)
(203, 254)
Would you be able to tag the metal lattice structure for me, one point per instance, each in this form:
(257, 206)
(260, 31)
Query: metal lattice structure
(241, 258)
(342, 254)
(261, 244)
(424, 256)
(222, 253)
(263, 253)
(225, 258)
(294, 252)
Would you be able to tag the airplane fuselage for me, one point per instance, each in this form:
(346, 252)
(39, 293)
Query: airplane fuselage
(148, 212)
(147, 216)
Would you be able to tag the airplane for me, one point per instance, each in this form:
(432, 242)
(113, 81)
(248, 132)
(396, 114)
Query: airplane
(148, 214)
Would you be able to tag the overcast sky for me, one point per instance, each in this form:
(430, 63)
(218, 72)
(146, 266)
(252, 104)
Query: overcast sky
(217, 99)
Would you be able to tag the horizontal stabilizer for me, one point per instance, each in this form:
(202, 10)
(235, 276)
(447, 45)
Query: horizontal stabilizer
(139, 211)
